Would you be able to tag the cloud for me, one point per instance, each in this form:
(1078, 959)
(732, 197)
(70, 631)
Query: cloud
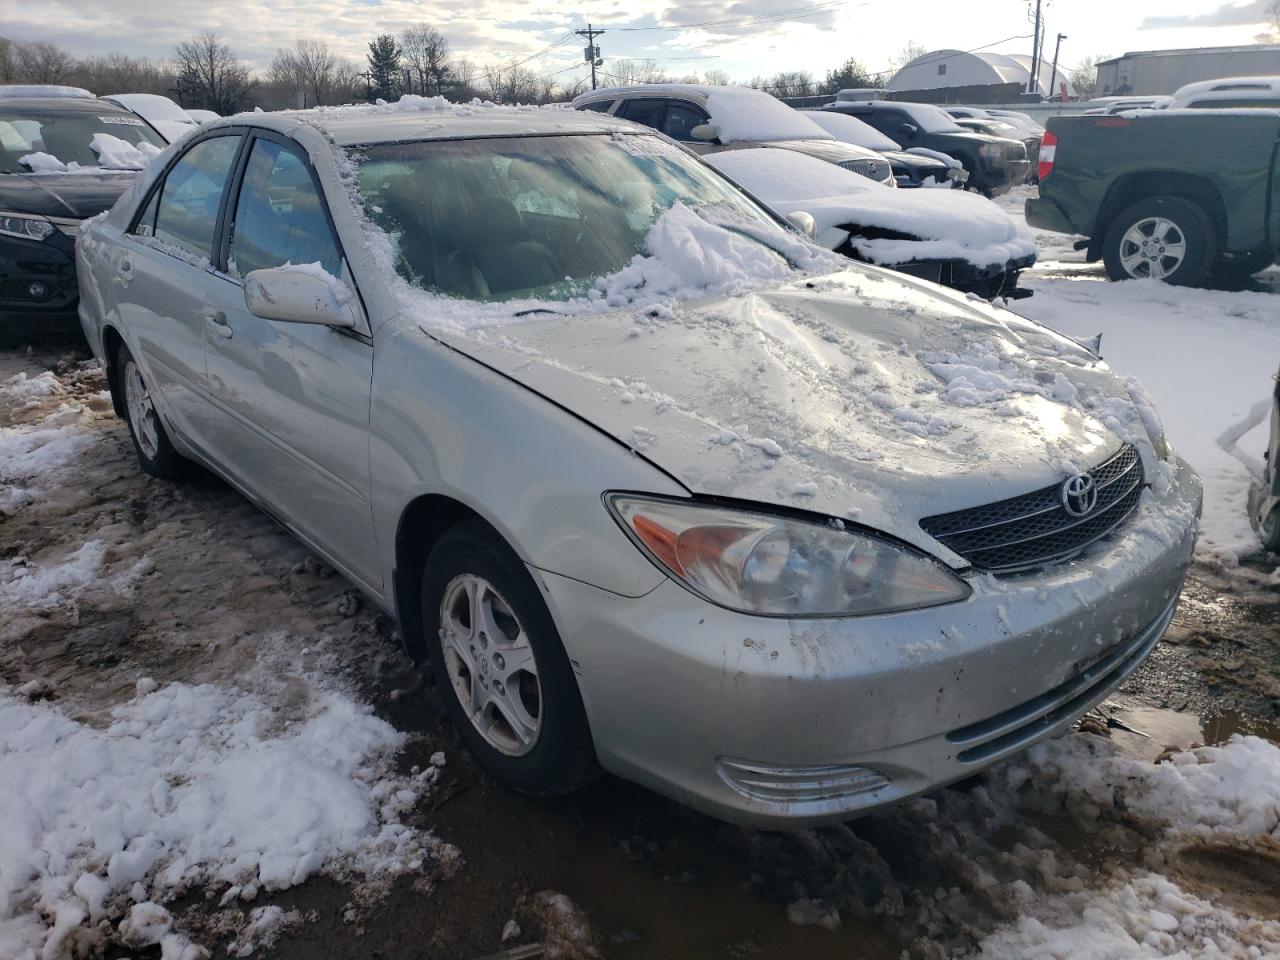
(1227, 15)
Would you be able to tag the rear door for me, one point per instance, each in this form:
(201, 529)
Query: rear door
(162, 275)
(291, 399)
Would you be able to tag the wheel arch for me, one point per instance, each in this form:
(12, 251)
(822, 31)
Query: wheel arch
(1142, 185)
(111, 344)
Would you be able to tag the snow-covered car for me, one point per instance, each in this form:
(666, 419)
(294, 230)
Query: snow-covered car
(1262, 93)
(955, 238)
(1264, 497)
(711, 119)
(159, 111)
(202, 116)
(909, 169)
(647, 477)
(63, 158)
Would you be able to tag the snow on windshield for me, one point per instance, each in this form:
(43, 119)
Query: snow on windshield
(113, 154)
(950, 224)
(739, 113)
(851, 130)
(930, 119)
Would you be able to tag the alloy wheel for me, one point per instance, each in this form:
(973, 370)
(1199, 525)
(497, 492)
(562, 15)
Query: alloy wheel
(1154, 247)
(142, 412)
(491, 665)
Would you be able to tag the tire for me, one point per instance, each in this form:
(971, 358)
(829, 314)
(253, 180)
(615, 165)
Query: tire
(156, 454)
(1160, 238)
(529, 731)
(1269, 530)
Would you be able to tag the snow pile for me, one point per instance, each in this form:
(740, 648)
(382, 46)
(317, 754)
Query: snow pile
(1144, 917)
(192, 785)
(744, 114)
(40, 162)
(946, 224)
(33, 455)
(116, 154)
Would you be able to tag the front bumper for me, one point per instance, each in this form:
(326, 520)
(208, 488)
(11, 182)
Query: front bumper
(785, 724)
(986, 282)
(38, 290)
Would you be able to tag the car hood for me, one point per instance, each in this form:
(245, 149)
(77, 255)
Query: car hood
(833, 151)
(857, 395)
(73, 195)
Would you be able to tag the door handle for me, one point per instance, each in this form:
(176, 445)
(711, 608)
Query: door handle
(126, 271)
(216, 322)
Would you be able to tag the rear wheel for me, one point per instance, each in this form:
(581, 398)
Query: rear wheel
(156, 454)
(499, 664)
(1269, 530)
(1160, 238)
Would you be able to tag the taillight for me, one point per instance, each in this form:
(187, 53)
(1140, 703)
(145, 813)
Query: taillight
(1048, 149)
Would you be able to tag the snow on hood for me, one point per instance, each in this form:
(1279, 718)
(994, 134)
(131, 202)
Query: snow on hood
(951, 224)
(858, 395)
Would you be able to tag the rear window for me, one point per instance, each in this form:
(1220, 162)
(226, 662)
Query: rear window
(1250, 103)
(91, 135)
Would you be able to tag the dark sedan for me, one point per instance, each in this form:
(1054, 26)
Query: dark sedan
(62, 159)
(995, 164)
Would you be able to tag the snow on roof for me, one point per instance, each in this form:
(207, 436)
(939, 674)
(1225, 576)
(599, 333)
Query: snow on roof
(1236, 88)
(738, 113)
(435, 118)
(851, 130)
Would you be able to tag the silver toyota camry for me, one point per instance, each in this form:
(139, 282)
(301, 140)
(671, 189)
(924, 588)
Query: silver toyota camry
(650, 481)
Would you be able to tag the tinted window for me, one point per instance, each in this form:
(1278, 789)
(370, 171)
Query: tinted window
(648, 112)
(146, 225)
(187, 215)
(279, 215)
(881, 120)
(681, 118)
(1230, 104)
(598, 106)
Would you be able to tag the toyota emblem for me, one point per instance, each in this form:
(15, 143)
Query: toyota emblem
(1079, 495)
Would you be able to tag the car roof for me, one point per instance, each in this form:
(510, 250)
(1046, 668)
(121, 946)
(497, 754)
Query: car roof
(693, 91)
(433, 118)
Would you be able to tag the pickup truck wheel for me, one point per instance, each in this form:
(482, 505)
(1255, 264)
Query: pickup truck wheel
(1160, 238)
(500, 667)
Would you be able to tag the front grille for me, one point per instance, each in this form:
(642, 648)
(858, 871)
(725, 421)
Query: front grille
(866, 168)
(1035, 528)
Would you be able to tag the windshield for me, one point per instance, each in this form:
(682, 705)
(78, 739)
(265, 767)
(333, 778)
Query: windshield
(930, 119)
(851, 130)
(546, 217)
(46, 140)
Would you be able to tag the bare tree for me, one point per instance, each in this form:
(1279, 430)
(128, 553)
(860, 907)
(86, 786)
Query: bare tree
(307, 70)
(1272, 32)
(1084, 76)
(210, 76)
(42, 63)
(8, 61)
(463, 80)
(426, 54)
(117, 73)
(716, 78)
(637, 71)
(905, 56)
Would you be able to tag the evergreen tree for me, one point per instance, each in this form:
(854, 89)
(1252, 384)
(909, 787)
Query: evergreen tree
(384, 67)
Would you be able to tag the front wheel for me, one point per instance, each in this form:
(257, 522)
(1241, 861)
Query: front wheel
(500, 666)
(1160, 238)
(156, 454)
(1269, 530)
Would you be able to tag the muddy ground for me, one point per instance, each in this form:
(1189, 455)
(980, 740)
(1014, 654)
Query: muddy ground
(654, 879)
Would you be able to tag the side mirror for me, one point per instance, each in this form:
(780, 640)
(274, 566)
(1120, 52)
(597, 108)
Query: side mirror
(300, 293)
(803, 222)
(706, 132)
(908, 130)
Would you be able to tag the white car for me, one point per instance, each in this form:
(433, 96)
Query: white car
(1230, 92)
(169, 119)
(911, 168)
(956, 238)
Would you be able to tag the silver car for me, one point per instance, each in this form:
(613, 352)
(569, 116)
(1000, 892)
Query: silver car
(653, 483)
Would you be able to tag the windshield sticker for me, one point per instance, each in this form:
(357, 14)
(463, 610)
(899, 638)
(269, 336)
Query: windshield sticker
(646, 146)
(130, 121)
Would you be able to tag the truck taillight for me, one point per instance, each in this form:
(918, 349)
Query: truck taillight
(1048, 149)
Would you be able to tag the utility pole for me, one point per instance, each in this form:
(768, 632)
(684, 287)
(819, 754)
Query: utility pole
(591, 54)
(1035, 54)
(1053, 77)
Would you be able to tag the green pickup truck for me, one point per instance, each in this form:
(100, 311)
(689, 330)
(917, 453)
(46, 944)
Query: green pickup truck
(1180, 196)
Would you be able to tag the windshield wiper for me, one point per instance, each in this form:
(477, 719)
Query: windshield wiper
(533, 310)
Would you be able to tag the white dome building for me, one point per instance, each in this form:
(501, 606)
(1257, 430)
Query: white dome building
(956, 68)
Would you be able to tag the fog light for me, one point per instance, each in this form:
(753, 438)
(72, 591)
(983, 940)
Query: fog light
(779, 784)
(38, 291)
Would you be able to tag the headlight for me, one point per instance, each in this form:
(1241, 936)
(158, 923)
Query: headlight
(781, 566)
(992, 151)
(1150, 419)
(24, 226)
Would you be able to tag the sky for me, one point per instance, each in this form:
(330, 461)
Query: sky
(689, 35)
